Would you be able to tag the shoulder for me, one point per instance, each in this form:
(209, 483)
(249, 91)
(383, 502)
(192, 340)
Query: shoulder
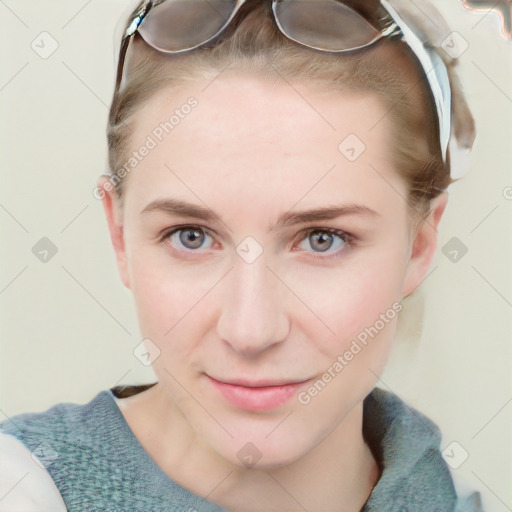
(468, 500)
(47, 455)
(25, 485)
(58, 422)
(39, 450)
(408, 446)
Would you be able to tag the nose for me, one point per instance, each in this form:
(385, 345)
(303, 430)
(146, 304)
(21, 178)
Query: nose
(252, 316)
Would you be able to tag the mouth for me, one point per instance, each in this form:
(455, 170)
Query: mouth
(260, 395)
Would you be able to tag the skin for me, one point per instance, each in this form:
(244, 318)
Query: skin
(252, 149)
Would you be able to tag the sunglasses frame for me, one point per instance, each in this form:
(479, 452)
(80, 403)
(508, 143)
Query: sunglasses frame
(432, 64)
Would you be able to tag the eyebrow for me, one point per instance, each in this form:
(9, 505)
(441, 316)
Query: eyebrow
(177, 207)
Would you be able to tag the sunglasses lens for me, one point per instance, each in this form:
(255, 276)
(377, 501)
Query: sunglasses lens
(324, 24)
(183, 24)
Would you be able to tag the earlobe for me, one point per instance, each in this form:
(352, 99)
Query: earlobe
(424, 245)
(113, 214)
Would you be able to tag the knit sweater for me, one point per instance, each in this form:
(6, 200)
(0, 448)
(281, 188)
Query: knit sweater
(97, 464)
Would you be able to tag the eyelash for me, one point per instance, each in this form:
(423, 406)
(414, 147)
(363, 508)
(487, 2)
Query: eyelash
(347, 238)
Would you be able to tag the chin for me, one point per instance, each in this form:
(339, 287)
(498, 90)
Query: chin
(257, 449)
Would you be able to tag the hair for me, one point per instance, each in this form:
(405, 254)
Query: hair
(255, 44)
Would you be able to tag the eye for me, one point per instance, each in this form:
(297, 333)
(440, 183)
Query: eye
(322, 240)
(331, 242)
(188, 238)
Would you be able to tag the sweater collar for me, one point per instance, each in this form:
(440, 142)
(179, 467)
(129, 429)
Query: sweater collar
(406, 446)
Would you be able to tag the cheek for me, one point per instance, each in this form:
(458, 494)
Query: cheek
(169, 298)
(361, 305)
(352, 296)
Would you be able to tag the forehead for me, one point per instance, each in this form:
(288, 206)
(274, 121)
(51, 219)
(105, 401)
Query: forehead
(261, 137)
(264, 109)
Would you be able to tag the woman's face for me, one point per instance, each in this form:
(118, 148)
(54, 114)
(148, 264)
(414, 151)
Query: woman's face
(274, 308)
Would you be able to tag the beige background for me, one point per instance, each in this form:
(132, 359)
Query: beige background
(69, 326)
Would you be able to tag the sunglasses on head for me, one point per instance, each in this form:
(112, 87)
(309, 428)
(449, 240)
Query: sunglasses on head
(334, 26)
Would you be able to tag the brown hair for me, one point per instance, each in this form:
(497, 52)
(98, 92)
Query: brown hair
(386, 69)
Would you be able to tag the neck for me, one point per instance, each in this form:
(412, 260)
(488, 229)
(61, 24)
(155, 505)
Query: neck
(337, 474)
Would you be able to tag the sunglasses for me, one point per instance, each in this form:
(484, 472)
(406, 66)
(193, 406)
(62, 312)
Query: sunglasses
(334, 26)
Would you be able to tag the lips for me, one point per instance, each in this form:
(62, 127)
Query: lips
(260, 395)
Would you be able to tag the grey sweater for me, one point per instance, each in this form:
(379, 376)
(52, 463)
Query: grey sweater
(98, 464)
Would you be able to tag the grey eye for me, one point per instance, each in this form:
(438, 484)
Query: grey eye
(189, 238)
(321, 240)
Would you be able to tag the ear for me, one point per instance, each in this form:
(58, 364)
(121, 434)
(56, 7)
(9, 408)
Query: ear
(424, 245)
(113, 212)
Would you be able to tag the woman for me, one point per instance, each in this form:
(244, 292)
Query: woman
(278, 173)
